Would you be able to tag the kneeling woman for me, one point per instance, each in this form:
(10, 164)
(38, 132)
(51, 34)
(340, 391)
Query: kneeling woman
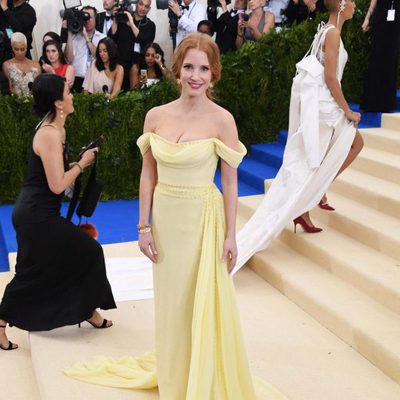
(60, 276)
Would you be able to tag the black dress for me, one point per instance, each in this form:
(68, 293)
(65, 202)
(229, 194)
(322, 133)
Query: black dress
(381, 78)
(60, 276)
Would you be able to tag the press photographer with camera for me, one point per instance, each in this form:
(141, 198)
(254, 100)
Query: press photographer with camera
(132, 33)
(226, 24)
(18, 16)
(189, 14)
(260, 23)
(81, 46)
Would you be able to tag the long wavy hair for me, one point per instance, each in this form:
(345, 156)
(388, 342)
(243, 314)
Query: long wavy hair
(57, 45)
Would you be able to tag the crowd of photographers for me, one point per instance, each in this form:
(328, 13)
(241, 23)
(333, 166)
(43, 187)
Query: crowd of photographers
(114, 50)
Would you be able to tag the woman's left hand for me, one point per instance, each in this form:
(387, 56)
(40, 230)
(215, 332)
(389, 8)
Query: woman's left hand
(229, 252)
(158, 60)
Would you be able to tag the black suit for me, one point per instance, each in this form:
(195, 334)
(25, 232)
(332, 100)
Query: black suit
(127, 42)
(226, 29)
(101, 19)
(21, 19)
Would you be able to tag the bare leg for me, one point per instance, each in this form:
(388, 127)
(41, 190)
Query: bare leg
(356, 147)
(4, 342)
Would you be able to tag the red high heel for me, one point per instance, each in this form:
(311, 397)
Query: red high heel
(307, 228)
(325, 206)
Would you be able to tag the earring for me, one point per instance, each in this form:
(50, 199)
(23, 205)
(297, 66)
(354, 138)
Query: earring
(62, 113)
(211, 86)
(178, 81)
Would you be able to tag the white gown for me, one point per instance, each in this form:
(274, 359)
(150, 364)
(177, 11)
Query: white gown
(319, 140)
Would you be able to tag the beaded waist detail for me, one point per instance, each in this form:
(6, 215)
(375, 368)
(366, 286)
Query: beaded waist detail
(186, 191)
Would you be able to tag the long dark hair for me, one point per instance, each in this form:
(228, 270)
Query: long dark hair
(54, 36)
(46, 90)
(57, 45)
(112, 51)
(159, 51)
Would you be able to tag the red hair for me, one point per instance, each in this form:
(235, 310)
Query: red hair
(202, 42)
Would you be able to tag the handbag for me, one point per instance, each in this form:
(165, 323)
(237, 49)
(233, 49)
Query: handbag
(90, 197)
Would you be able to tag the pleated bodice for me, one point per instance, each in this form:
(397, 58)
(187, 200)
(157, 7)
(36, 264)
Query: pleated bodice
(191, 163)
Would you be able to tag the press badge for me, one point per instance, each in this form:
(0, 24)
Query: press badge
(391, 14)
(136, 48)
(9, 32)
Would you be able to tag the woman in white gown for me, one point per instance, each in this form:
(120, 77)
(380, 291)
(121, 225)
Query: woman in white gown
(323, 139)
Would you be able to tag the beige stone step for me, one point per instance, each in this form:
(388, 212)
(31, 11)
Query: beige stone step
(17, 378)
(366, 325)
(366, 225)
(378, 163)
(382, 139)
(391, 121)
(377, 193)
(285, 346)
(368, 270)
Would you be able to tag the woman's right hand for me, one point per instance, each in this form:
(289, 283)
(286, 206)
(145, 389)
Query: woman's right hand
(48, 68)
(147, 246)
(354, 117)
(241, 27)
(365, 25)
(88, 157)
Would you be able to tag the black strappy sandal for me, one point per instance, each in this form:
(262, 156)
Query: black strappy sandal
(10, 343)
(102, 326)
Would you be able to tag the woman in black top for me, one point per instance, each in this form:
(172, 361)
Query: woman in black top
(380, 83)
(60, 276)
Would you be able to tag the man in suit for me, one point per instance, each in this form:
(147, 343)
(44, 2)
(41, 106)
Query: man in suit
(104, 19)
(226, 25)
(131, 36)
(19, 16)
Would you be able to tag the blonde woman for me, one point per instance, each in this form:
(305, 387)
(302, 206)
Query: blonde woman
(20, 70)
(259, 23)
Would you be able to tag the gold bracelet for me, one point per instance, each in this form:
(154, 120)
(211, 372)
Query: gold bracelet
(78, 165)
(144, 228)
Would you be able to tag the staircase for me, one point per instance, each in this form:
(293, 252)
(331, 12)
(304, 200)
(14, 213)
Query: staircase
(348, 277)
(323, 323)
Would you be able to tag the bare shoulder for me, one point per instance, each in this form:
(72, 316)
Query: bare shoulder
(227, 130)
(155, 115)
(47, 137)
(332, 36)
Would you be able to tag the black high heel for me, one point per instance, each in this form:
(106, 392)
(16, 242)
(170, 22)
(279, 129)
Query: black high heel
(10, 343)
(102, 326)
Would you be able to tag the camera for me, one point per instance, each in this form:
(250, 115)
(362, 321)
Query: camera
(173, 19)
(124, 5)
(215, 3)
(74, 17)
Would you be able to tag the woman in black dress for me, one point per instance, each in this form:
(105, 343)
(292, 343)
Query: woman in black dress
(60, 276)
(381, 79)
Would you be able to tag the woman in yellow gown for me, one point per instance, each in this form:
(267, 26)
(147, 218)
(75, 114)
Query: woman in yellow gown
(191, 240)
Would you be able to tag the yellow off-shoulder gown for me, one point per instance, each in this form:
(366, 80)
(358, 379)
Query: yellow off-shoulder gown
(199, 347)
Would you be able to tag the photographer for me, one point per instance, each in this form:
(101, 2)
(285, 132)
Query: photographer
(132, 36)
(189, 15)
(226, 24)
(301, 10)
(81, 47)
(18, 16)
(104, 19)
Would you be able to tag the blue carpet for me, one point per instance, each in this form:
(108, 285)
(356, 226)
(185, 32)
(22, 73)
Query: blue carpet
(116, 220)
